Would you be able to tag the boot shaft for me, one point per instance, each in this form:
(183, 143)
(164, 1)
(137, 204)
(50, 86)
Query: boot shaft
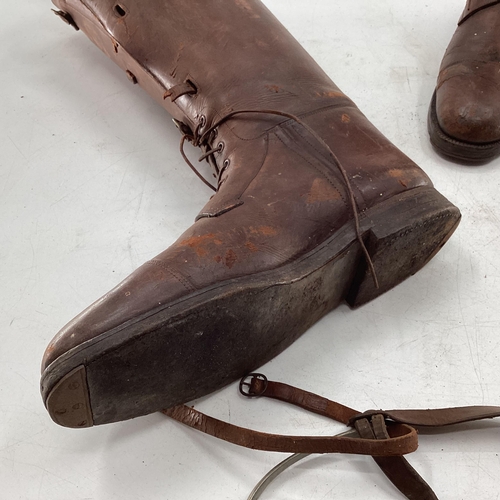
(206, 57)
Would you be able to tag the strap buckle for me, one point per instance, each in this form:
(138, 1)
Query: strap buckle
(256, 387)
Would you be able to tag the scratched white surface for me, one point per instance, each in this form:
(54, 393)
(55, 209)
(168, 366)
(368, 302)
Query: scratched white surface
(92, 185)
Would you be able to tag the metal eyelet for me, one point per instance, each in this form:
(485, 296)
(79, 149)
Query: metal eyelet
(203, 121)
(220, 147)
(226, 163)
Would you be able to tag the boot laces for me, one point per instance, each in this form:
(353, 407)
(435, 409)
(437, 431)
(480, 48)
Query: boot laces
(205, 139)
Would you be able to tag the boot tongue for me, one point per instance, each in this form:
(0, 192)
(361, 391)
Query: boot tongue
(474, 6)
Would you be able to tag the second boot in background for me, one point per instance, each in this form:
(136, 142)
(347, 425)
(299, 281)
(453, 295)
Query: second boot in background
(464, 116)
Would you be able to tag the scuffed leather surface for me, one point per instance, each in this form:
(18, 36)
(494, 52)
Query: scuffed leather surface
(468, 91)
(281, 195)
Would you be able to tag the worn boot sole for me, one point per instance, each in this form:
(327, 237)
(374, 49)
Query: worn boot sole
(212, 337)
(467, 153)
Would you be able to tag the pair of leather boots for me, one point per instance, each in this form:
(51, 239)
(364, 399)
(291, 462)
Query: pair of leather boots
(312, 204)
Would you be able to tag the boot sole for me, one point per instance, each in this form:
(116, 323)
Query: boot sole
(212, 337)
(466, 153)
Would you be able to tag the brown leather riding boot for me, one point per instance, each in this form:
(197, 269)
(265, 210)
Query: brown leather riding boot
(305, 185)
(464, 116)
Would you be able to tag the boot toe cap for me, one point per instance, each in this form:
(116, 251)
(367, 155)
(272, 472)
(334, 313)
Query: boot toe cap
(469, 112)
(144, 290)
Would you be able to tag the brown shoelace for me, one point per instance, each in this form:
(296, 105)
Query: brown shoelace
(203, 141)
(385, 435)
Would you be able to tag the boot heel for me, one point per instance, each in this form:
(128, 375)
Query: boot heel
(402, 235)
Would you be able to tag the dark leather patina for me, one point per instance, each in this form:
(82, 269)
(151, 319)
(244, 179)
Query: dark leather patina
(276, 247)
(464, 119)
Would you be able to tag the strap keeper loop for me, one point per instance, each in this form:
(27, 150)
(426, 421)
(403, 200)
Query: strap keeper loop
(188, 87)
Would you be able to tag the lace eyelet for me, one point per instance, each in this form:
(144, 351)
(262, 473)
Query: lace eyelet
(226, 163)
(203, 121)
(220, 147)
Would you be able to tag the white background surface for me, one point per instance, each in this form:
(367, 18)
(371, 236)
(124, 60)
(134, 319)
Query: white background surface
(92, 185)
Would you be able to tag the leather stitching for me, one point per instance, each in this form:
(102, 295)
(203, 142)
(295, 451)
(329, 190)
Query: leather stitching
(285, 121)
(416, 226)
(184, 281)
(328, 159)
(315, 168)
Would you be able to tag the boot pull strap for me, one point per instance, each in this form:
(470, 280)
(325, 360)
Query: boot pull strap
(187, 87)
(385, 435)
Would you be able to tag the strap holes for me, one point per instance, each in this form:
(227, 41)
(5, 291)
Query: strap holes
(192, 84)
(120, 10)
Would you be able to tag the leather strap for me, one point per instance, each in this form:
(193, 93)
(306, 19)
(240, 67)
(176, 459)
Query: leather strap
(179, 90)
(385, 435)
(402, 438)
(397, 469)
(474, 6)
(438, 417)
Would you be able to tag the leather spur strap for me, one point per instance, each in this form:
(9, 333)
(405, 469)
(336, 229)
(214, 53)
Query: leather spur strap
(385, 435)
